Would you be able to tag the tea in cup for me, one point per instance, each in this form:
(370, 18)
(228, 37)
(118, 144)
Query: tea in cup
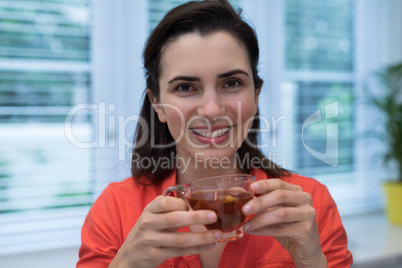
(225, 195)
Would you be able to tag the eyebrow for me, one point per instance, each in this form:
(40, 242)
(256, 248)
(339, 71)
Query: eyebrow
(195, 78)
(184, 78)
(233, 72)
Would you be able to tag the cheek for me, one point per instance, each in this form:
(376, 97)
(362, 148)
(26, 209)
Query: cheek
(175, 119)
(247, 110)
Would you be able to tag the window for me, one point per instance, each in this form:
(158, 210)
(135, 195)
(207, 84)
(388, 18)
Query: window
(57, 54)
(319, 67)
(315, 156)
(321, 80)
(311, 61)
(315, 58)
(159, 8)
(46, 183)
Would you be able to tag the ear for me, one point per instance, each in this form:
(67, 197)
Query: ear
(157, 106)
(257, 96)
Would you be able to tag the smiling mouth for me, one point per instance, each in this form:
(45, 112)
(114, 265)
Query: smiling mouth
(211, 134)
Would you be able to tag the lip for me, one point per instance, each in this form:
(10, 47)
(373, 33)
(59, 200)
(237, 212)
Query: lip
(211, 128)
(211, 140)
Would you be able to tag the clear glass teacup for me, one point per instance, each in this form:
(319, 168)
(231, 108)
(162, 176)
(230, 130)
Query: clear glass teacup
(225, 195)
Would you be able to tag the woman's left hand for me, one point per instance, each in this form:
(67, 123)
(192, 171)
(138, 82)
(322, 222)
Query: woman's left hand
(285, 212)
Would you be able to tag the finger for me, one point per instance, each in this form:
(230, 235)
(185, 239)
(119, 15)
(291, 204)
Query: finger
(162, 204)
(188, 239)
(278, 230)
(178, 219)
(294, 229)
(264, 186)
(276, 198)
(170, 252)
(281, 215)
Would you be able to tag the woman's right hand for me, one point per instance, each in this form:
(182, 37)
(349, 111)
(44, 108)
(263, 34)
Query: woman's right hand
(154, 238)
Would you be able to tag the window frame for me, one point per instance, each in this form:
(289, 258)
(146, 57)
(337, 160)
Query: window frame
(117, 79)
(354, 192)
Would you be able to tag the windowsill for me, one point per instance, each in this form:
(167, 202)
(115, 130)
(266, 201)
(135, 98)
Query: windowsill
(373, 241)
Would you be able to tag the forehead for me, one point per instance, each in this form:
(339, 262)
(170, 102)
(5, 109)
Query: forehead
(192, 52)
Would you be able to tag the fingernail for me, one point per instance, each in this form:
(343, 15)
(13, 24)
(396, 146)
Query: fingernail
(255, 186)
(217, 235)
(246, 226)
(246, 208)
(211, 217)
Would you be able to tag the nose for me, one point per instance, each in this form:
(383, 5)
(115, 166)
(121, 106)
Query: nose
(211, 105)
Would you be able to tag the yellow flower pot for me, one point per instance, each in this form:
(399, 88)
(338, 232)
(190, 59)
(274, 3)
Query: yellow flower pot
(393, 193)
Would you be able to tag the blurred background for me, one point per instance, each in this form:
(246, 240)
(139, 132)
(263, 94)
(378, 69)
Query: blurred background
(71, 85)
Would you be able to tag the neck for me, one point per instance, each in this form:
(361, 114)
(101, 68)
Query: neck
(192, 169)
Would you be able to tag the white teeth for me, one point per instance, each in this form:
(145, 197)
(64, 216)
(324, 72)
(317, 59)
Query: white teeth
(208, 134)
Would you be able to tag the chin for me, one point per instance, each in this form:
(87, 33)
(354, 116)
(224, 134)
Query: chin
(215, 155)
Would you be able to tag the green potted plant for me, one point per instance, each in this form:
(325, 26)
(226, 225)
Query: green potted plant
(389, 103)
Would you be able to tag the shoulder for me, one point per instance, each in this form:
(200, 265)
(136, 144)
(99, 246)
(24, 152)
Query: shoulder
(119, 191)
(128, 191)
(119, 206)
(118, 195)
(125, 186)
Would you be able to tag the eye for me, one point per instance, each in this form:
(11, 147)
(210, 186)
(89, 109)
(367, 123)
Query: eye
(184, 88)
(232, 83)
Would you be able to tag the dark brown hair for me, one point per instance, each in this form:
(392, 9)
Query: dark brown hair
(204, 17)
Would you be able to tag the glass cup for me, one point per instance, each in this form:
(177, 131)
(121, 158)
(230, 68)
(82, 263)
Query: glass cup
(225, 195)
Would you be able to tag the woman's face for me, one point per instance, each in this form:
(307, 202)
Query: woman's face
(207, 95)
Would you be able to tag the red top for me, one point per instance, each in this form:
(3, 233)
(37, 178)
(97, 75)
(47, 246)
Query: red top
(120, 205)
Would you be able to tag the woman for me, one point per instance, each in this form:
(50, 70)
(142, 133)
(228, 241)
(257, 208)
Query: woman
(201, 119)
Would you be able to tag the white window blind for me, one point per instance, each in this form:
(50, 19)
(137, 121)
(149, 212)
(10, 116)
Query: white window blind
(319, 64)
(315, 59)
(323, 101)
(45, 181)
(159, 8)
(317, 54)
